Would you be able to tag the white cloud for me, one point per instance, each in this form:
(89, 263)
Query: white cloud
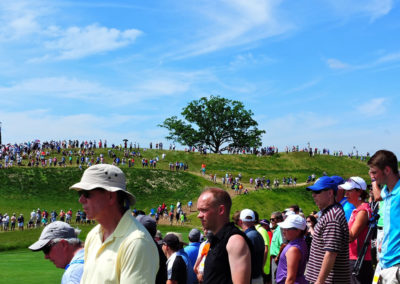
(384, 59)
(378, 8)
(164, 84)
(40, 124)
(303, 86)
(234, 23)
(373, 107)
(53, 87)
(20, 18)
(336, 64)
(373, 9)
(76, 42)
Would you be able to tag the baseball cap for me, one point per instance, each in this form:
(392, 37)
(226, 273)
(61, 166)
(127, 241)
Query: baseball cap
(55, 230)
(338, 180)
(194, 235)
(149, 223)
(322, 183)
(247, 215)
(172, 241)
(179, 236)
(293, 221)
(264, 222)
(108, 177)
(354, 182)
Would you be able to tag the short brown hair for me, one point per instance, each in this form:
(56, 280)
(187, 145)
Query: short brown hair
(221, 197)
(383, 158)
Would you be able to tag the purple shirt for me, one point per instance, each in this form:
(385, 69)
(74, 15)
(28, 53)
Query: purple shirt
(281, 272)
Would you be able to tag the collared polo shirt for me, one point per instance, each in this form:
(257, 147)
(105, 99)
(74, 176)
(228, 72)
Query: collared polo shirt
(128, 255)
(390, 253)
(74, 270)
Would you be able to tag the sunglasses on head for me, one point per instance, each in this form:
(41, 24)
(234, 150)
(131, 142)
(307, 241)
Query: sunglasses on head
(47, 248)
(352, 180)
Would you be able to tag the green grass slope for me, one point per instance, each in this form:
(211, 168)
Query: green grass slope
(25, 188)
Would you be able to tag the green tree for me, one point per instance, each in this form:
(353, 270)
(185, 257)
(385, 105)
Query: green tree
(215, 122)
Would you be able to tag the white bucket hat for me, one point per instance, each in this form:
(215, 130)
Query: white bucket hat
(293, 221)
(105, 176)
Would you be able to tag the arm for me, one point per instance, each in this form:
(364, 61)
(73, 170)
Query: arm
(358, 225)
(196, 265)
(327, 265)
(239, 259)
(172, 282)
(293, 258)
(265, 255)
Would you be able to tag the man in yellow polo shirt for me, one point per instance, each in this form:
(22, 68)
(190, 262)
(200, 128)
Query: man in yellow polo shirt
(119, 249)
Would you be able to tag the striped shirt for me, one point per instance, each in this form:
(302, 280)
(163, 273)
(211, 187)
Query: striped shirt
(331, 234)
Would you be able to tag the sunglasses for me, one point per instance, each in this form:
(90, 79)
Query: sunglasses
(320, 191)
(87, 193)
(47, 248)
(272, 219)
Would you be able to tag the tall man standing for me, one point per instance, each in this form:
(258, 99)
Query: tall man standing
(329, 255)
(383, 170)
(119, 249)
(229, 257)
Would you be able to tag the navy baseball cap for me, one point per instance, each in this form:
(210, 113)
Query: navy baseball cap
(324, 182)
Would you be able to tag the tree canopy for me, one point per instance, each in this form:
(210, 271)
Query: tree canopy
(215, 122)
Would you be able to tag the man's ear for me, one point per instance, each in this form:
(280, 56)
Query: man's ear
(221, 209)
(387, 170)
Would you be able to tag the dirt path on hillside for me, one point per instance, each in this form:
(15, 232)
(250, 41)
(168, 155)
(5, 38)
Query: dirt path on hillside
(165, 221)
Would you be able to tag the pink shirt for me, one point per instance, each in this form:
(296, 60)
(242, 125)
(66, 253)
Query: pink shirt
(357, 244)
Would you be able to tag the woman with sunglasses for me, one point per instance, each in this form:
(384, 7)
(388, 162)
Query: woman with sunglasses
(293, 258)
(356, 194)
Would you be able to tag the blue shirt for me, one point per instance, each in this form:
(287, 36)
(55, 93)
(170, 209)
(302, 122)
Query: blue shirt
(390, 254)
(74, 270)
(191, 277)
(257, 258)
(192, 251)
(347, 207)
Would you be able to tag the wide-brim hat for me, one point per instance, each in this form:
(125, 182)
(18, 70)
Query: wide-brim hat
(105, 176)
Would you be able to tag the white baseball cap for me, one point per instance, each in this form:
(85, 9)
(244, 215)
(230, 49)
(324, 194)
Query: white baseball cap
(293, 221)
(247, 215)
(354, 182)
(105, 176)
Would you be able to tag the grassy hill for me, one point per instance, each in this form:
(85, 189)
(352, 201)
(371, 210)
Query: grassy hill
(25, 188)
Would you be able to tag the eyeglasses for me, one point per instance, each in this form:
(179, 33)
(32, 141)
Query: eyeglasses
(87, 193)
(320, 191)
(47, 248)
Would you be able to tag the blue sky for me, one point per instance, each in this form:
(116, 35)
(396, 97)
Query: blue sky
(318, 71)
